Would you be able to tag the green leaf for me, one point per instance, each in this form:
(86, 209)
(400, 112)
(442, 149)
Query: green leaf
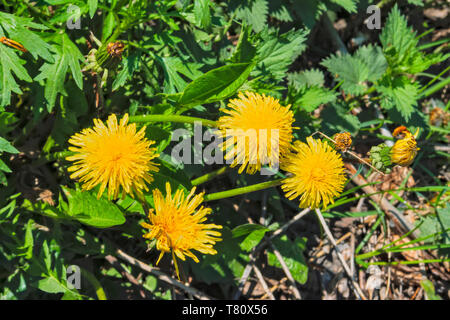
(4, 167)
(396, 37)
(10, 64)
(130, 65)
(253, 13)
(400, 94)
(173, 68)
(349, 5)
(245, 51)
(335, 118)
(245, 229)
(18, 29)
(92, 7)
(309, 11)
(307, 78)
(108, 26)
(68, 56)
(277, 52)
(309, 99)
(202, 13)
(217, 84)
(352, 71)
(51, 285)
(428, 287)
(6, 146)
(100, 213)
(292, 253)
(374, 59)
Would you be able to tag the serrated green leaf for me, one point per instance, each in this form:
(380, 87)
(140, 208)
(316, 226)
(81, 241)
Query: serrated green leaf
(130, 65)
(310, 98)
(396, 37)
(307, 78)
(253, 13)
(245, 51)
(17, 29)
(373, 57)
(349, 5)
(277, 52)
(400, 94)
(202, 13)
(351, 70)
(10, 64)
(173, 67)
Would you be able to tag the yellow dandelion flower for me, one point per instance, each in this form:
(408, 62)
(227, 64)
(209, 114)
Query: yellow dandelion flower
(404, 150)
(317, 173)
(177, 225)
(113, 155)
(257, 131)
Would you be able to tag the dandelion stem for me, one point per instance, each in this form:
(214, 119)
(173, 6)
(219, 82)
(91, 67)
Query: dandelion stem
(243, 190)
(171, 118)
(209, 176)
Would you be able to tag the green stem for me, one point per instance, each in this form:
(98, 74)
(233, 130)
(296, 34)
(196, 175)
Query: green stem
(101, 295)
(171, 118)
(394, 263)
(209, 176)
(243, 190)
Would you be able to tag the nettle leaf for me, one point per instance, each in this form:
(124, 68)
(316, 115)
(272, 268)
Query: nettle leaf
(280, 10)
(310, 98)
(367, 64)
(309, 11)
(86, 208)
(292, 253)
(373, 57)
(217, 84)
(307, 78)
(396, 37)
(351, 70)
(254, 12)
(277, 52)
(400, 94)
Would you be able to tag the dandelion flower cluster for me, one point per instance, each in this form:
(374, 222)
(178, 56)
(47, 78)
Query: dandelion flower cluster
(113, 156)
(317, 173)
(177, 225)
(257, 130)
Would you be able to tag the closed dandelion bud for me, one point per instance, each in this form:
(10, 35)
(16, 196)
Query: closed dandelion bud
(380, 157)
(109, 56)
